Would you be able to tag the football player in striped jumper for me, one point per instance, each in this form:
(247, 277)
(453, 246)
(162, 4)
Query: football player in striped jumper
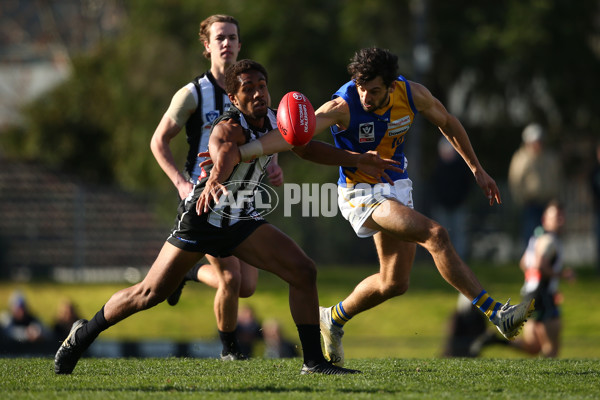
(207, 223)
(196, 106)
(374, 112)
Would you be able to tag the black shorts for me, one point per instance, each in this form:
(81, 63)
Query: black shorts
(545, 306)
(193, 233)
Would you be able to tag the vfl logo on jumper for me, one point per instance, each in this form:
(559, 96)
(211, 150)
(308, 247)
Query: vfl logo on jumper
(399, 126)
(246, 195)
(211, 115)
(366, 132)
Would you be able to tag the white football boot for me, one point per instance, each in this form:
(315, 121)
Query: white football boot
(332, 337)
(510, 319)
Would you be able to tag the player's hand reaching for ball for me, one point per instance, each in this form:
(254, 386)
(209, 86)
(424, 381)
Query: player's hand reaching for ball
(371, 164)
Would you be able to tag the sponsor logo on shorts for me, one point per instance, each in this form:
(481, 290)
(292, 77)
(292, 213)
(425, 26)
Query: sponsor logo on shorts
(186, 240)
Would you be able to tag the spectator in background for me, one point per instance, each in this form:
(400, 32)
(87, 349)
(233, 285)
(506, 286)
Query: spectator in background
(66, 315)
(595, 185)
(451, 181)
(277, 346)
(535, 177)
(20, 324)
(248, 330)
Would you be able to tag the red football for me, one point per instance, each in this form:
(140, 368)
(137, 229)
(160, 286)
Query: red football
(296, 118)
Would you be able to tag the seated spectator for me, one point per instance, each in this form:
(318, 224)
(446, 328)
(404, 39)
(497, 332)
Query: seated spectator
(276, 346)
(65, 317)
(248, 330)
(20, 324)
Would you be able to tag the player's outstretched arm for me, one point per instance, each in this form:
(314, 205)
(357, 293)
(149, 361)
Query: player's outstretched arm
(432, 109)
(369, 163)
(270, 143)
(331, 113)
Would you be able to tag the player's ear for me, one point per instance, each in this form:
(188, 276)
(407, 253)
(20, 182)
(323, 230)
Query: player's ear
(206, 46)
(233, 100)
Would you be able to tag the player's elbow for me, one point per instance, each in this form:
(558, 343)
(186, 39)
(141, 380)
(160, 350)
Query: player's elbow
(158, 143)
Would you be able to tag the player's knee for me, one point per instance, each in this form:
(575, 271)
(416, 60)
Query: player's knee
(394, 289)
(232, 279)
(247, 289)
(439, 237)
(146, 297)
(305, 272)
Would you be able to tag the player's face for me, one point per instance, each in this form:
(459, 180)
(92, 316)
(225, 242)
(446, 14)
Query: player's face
(374, 94)
(553, 219)
(224, 44)
(252, 96)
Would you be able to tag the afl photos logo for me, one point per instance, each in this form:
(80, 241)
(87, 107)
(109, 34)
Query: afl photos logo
(246, 200)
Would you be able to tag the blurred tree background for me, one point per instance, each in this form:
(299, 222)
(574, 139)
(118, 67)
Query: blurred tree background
(496, 65)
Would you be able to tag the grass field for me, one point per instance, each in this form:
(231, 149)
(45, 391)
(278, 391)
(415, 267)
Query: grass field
(397, 346)
(384, 378)
(409, 326)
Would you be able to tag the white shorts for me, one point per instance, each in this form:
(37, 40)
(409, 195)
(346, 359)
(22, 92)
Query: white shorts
(357, 203)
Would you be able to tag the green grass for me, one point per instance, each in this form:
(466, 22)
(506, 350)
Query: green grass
(409, 326)
(397, 346)
(383, 378)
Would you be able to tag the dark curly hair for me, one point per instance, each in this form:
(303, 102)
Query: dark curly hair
(368, 64)
(232, 83)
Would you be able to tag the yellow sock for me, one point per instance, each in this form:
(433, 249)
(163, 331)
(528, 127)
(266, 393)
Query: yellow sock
(338, 315)
(486, 304)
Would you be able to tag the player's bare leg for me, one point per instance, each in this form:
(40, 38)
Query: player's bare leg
(396, 259)
(407, 224)
(227, 272)
(208, 273)
(528, 342)
(163, 277)
(165, 274)
(232, 279)
(550, 334)
(400, 228)
(269, 249)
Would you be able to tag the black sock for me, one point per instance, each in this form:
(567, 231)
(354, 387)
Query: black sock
(192, 274)
(230, 342)
(90, 331)
(310, 339)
